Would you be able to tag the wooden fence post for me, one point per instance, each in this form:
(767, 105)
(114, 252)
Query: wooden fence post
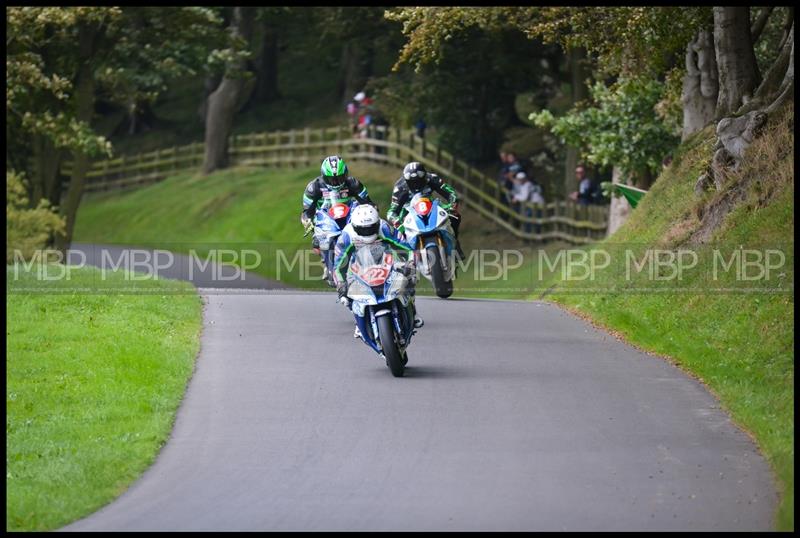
(307, 149)
(292, 139)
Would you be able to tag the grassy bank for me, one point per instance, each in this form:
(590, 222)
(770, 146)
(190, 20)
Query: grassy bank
(739, 344)
(259, 209)
(93, 382)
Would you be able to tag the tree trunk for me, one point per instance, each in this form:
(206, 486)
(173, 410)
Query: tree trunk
(620, 209)
(210, 84)
(578, 76)
(788, 24)
(267, 66)
(45, 182)
(141, 117)
(225, 100)
(736, 61)
(761, 22)
(84, 107)
(775, 81)
(644, 179)
(787, 86)
(700, 85)
(357, 59)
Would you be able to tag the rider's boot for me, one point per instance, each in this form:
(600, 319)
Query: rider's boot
(459, 251)
(418, 321)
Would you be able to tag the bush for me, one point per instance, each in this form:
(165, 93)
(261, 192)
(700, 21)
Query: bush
(27, 229)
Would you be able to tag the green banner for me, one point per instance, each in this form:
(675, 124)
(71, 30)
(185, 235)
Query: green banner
(632, 194)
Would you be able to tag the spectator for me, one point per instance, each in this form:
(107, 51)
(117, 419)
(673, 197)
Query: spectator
(527, 192)
(352, 113)
(520, 191)
(503, 182)
(354, 110)
(420, 126)
(514, 166)
(364, 121)
(537, 197)
(366, 102)
(382, 128)
(586, 188)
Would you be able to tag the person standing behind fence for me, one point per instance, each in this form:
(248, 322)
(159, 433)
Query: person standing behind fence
(527, 192)
(504, 184)
(420, 126)
(521, 193)
(537, 198)
(381, 129)
(585, 193)
(352, 111)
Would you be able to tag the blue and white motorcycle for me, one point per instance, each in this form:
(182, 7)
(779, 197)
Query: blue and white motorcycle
(329, 221)
(426, 228)
(380, 286)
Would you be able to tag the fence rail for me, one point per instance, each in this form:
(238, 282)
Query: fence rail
(561, 220)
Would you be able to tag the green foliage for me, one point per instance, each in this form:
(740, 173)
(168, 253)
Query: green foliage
(468, 93)
(621, 127)
(429, 28)
(41, 62)
(130, 59)
(27, 229)
(670, 108)
(625, 41)
(142, 61)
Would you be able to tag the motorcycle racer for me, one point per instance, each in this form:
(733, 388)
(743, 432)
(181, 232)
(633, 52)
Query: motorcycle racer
(366, 227)
(333, 177)
(416, 179)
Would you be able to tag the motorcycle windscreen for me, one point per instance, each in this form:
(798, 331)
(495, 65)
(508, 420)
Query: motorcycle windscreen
(372, 263)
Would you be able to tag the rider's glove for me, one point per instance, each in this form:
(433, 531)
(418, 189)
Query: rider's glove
(308, 225)
(341, 289)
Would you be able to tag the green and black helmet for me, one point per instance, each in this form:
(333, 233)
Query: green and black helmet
(334, 171)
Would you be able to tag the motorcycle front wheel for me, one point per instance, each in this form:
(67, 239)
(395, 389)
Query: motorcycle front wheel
(394, 359)
(443, 288)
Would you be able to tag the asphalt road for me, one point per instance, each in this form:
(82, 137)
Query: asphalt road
(511, 416)
(202, 273)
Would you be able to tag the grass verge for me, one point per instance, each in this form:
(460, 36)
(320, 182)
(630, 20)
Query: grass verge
(259, 209)
(93, 382)
(741, 345)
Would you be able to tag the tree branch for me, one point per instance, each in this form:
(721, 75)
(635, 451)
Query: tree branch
(761, 22)
(775, 80)
(787, 26)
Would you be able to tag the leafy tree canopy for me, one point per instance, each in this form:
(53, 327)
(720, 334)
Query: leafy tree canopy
(621, 128)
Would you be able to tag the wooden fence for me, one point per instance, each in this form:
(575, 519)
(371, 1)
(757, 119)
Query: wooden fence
(561, 220)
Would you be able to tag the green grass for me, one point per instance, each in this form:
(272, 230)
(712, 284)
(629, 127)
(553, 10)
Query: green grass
(741, 345)
(93, 382)
(259, 209)
(237, 208)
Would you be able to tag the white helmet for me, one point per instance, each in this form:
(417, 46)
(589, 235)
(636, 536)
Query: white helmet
(366, 222)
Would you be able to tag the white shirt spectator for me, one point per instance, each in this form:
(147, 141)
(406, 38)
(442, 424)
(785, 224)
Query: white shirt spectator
(525, 190)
